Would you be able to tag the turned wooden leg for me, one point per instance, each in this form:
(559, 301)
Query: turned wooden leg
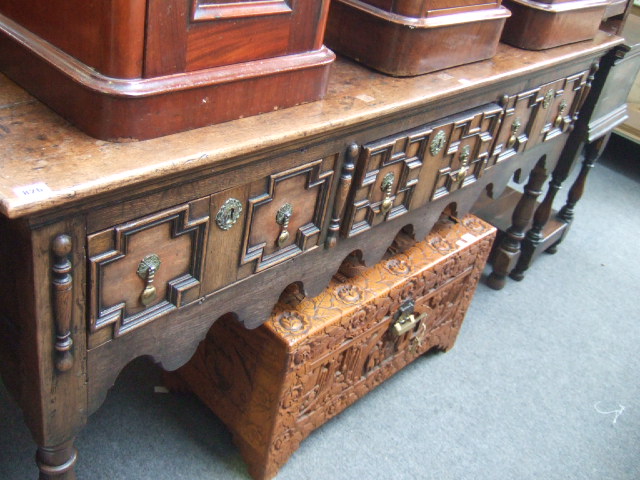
(57, 463)
(534, 238)
(508, 251)
(592, 152)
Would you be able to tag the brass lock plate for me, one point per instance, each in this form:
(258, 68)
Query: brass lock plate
(405, 319)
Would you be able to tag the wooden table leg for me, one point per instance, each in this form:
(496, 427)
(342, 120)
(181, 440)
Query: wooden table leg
(592, 153)
(58, 462)
(509, 250)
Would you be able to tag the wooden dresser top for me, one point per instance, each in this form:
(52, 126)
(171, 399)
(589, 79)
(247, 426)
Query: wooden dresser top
(42, 153)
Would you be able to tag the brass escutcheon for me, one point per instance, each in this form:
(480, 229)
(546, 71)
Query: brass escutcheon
(438, 142)
(147, 270)
(283, 217)
(548, 98)
(386, 186)
(229, 213)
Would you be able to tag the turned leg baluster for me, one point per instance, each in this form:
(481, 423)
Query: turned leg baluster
(57, 463)
(568, 158)
(509, 249)
(534, 236)
(592, 152)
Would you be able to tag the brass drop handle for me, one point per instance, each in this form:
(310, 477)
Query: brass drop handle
(283, 217)
(147, 270)
(386, 186)
(460, 174)
(405, 319)
(515, 128)
(561, 109)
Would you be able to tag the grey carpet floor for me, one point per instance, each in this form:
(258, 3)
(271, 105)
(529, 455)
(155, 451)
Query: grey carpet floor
(543, 383)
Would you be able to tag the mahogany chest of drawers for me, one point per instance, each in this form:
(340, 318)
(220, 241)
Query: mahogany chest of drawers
(273, 386)
(536, 25)
(137, 69)
(412, 37)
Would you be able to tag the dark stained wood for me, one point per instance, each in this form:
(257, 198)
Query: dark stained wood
(508, 251)
(58, 181)
(592, 152)
(603, 107)
(536, 25)
(405, 46)
(273, 386)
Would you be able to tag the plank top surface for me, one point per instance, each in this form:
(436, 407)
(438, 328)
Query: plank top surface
(57, 165)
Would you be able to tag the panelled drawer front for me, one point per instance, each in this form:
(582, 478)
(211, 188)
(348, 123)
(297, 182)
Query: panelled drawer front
(286, 216)
(146, 268)
(397, 173)
(459, 151)
(537, 115)
(558, 103)
(517, 124)
(385, 179)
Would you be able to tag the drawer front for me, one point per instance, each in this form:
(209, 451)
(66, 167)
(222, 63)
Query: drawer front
(146, 268)
(558, 103)
(286, 216)
(397, 173)
(537, 115)
(385, 179)
(460, 148)
(517, 125)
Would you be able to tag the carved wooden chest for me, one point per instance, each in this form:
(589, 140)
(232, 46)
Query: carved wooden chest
(411, 37)
(541, 24)
(274, 385)
(145, 68)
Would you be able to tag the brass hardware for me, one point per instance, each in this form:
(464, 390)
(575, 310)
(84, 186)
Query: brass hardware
(548, 98)
(147, 270)
(463, 171)
(465, 154)
(405, 319)
(515, 127)
(386, 186)
(229, 213)
(561, 108)
(283, 217)
(438, 142)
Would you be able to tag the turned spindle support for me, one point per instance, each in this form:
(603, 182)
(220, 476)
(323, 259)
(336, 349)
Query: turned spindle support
(346, 178)
(62, 286)
(508, 251)
(592, 152)
(570, 154)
